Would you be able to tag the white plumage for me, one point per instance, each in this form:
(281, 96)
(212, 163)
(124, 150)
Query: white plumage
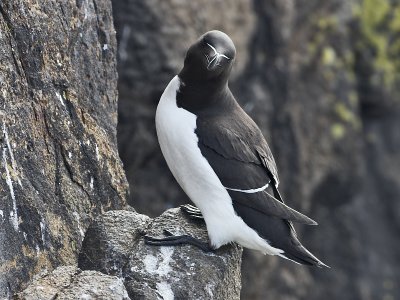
(179, 144)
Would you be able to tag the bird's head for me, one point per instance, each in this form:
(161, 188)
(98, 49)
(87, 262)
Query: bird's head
(209, 58)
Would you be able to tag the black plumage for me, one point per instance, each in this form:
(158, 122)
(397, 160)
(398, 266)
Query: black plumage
(232, 156)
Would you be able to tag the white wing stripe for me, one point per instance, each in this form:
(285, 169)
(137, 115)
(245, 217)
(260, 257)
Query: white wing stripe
(250, 191)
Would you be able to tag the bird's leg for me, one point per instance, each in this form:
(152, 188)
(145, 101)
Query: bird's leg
(192, 212)
(174, 240)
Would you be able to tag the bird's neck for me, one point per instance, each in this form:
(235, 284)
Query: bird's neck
(198, 97)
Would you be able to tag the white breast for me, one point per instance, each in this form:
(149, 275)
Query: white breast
(179, 144)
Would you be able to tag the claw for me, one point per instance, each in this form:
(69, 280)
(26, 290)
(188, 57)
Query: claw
(192, 212)
(167, 232)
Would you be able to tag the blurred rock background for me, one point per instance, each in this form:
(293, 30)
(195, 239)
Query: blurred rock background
(321, 79)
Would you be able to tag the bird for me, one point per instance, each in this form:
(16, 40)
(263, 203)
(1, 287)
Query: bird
(222, 161)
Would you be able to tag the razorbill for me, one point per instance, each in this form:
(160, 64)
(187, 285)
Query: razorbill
(221, 160)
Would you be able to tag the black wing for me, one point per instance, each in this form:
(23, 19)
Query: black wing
(237, 137)
(242, 160)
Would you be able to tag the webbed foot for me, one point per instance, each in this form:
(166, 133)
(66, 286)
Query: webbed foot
(174, 240)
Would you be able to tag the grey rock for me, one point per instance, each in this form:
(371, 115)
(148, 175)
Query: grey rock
(71, 283)
(59, 164)
(150, 272)
(183, 272)
(110, 240)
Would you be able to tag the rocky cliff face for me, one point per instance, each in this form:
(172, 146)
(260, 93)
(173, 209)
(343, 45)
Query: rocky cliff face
(114, 263)
(321, 79)
(58, 113)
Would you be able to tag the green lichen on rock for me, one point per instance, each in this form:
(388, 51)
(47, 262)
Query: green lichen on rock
(379, 23)
(347, 115)
(322, 27)
(338, 131)
(346, 118)
(325, 47)
(328, 56)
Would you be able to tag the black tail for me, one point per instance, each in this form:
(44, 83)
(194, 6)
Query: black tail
(297, 253)
(278, 232)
